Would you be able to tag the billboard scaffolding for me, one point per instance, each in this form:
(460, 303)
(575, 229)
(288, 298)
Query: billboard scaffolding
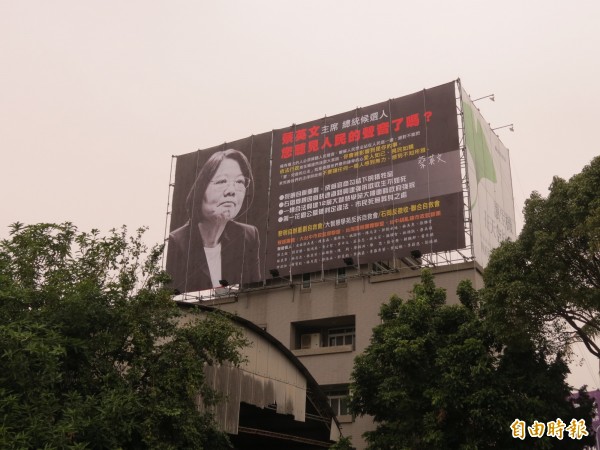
(380, 186)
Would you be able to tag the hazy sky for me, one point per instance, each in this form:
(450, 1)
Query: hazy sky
(95, 96)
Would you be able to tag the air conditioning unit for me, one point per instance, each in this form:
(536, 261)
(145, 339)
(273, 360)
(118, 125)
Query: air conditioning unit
(312, 340)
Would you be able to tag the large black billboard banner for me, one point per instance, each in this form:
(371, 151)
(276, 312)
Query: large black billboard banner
(372, 184)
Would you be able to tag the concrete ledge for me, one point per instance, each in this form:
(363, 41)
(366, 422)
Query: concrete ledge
(405, 272)
(323, 350)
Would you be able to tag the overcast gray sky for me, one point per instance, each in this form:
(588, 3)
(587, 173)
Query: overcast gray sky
(95, 96)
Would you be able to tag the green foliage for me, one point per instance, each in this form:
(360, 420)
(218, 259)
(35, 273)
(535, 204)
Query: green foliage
(93, 350)
(344, 443)
(436, 376)
(547, 282)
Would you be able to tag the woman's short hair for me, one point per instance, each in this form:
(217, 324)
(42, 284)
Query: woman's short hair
(195, 197)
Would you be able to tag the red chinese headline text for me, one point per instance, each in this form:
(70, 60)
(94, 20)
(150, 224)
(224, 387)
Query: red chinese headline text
(306, 140)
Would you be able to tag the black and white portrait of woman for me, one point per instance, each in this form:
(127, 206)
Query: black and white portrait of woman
(213, 246)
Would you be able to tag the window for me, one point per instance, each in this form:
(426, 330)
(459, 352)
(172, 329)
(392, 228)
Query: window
(341, 336)
(306, 281)
(324, 334)
(341, 276)
(339, 402)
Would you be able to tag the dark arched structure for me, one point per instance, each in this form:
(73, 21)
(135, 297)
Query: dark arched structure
(271, 401)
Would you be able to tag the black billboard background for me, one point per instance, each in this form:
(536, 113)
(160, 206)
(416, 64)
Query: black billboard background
(373, 184)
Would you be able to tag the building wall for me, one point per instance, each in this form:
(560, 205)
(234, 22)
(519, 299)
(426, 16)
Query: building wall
(280, 308)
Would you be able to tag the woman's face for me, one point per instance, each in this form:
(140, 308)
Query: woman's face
(225, 192)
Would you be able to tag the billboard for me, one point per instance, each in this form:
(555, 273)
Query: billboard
(490, 184)
(219, 215)
(371, 184)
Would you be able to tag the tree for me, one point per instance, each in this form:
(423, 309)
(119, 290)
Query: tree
(343, 443)
(92, 354)
(436, 376)
(547, 282)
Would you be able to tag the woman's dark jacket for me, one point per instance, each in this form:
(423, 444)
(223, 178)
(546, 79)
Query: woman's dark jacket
(240, 262)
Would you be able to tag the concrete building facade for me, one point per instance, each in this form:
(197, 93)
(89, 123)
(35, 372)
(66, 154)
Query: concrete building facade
(326, 319)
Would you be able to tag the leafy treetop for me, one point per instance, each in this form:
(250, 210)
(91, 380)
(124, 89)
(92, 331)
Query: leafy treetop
(94, 354)
(436, 376)
(547, 282)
